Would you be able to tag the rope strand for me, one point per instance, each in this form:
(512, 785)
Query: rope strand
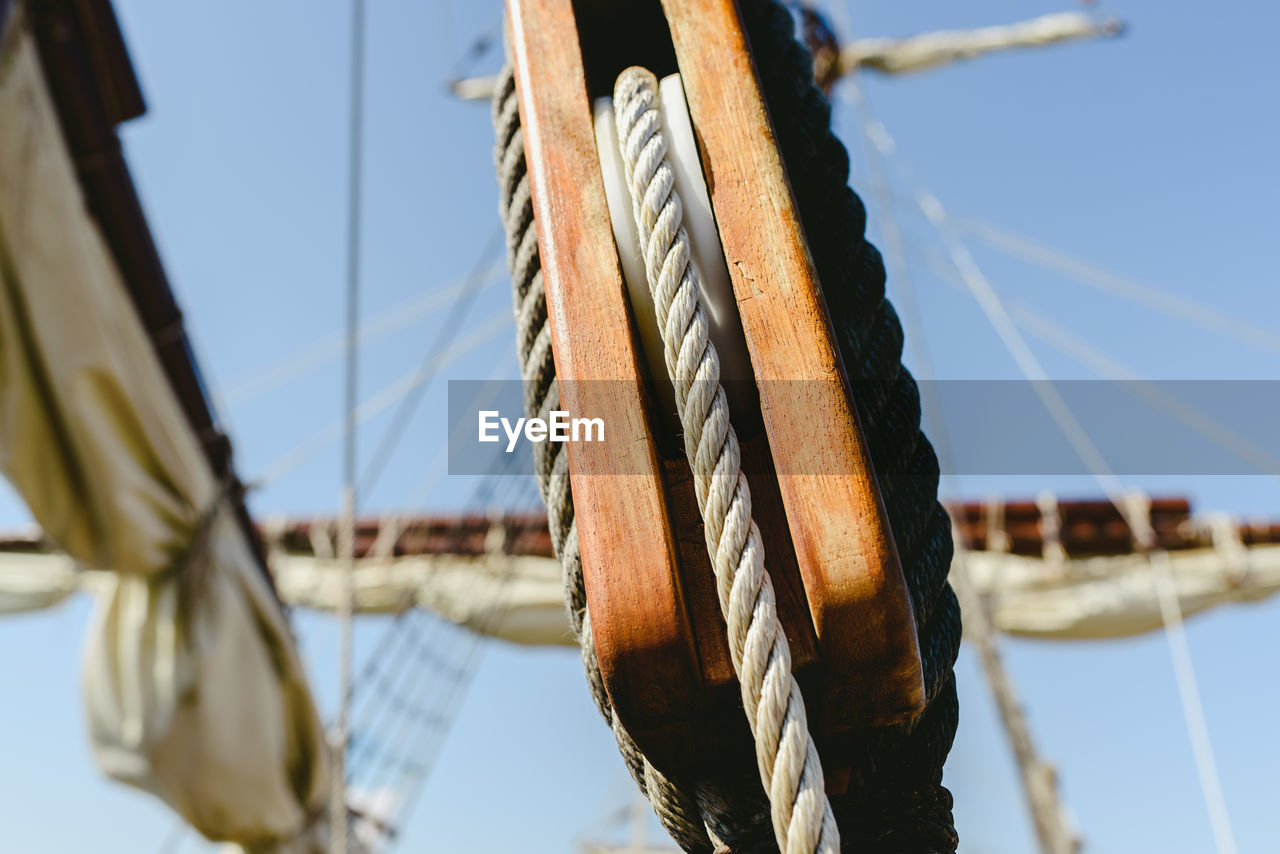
(675, 806)
(788, 760)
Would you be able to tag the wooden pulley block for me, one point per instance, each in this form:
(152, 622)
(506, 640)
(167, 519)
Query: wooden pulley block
(658, 631)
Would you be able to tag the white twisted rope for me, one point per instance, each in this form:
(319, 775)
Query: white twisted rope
(789, 768)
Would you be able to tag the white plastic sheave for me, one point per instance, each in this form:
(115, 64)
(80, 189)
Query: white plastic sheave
(193, 685)
(706, 255)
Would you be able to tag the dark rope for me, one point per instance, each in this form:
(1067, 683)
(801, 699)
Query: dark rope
(675, 806)
(895, 801)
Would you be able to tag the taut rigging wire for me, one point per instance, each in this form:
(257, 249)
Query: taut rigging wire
(444, 337)
(386, 323)
(338, 828)
(1001, 320)
(382, 400)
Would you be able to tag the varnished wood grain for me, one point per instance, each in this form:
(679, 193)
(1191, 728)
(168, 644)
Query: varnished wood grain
(852, 577)
(642, 631)
(699, 580)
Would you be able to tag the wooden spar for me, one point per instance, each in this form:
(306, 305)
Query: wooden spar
(658, 634)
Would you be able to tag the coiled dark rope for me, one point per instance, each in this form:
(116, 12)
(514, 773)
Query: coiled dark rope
(895, 800)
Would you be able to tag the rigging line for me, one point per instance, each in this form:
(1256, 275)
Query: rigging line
(432, 748)
(384, 399)
(1071, 345)
(479, 46)
(475, 647)
(338, 828)
(419, 660)
(417, 707)
(1171, 613)
(1099, 278)
(980, 288)
(435, 470)
(399, 629)
(420, 667)
(415, 762)
(987, 298)
(431, 740)
(444, 337)
(487, 486)
(392, 759)
(174, 839)
(1175, 633)
(878, 147)
(375, 328)
(1068, 343)
(1185, 309)
(429, 479)
(381, 652)
(411, 712)
(385, 711)
(405, 772)
(385, 682)
(388, 667)
(399, 681)
(429, 747)
(388, 683)
(1053, 830)
(1192, 707)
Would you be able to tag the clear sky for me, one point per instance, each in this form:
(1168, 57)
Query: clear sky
(1152, 155)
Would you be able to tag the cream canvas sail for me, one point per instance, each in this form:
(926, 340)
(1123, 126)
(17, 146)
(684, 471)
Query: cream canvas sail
(193, 687)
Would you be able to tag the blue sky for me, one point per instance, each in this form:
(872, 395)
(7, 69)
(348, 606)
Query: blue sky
(1152, 155)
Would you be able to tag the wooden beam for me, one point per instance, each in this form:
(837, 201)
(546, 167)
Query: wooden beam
(856, 592)
(629, 553)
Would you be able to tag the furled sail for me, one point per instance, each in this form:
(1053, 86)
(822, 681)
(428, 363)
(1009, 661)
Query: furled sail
(192, 682)
(1115, 596)
(516, 598)
(929, 50)
(516, 594)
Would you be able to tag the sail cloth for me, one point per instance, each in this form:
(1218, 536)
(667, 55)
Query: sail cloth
(33, 582)
(516, 598)
(1112, 597)
(1102, 597)
(519, 599)
(929, 50)
(193, 685)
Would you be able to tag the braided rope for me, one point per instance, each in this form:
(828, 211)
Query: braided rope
(676, 808)
(785, 752)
